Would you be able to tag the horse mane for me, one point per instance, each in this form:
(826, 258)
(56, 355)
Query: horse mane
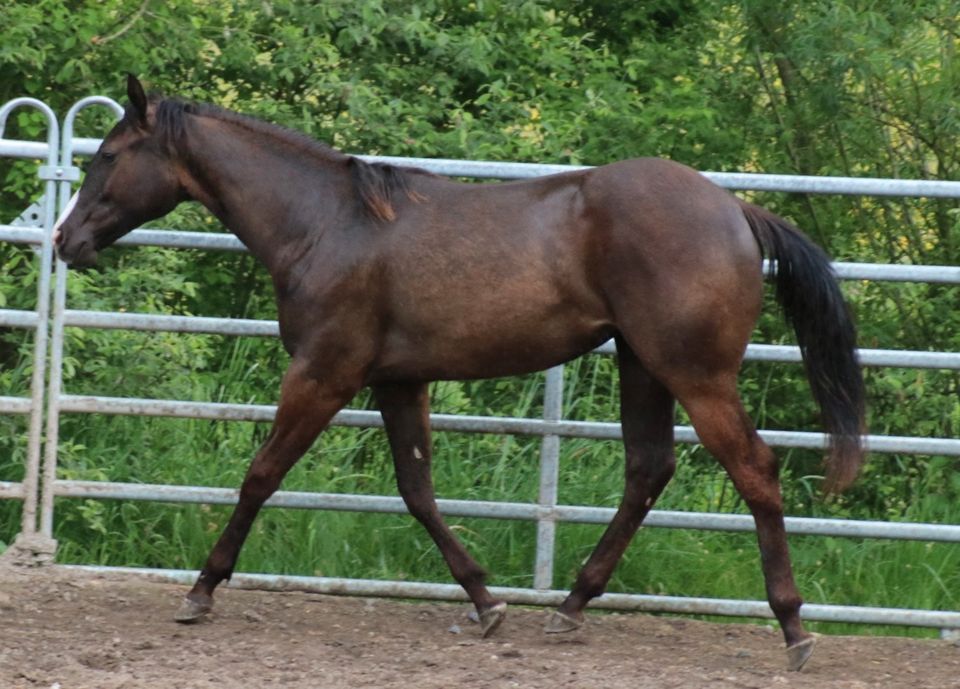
(376, 185)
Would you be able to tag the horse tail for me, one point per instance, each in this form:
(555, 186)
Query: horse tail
(810, 295)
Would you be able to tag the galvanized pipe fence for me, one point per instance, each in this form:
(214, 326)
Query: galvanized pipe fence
(40, 485)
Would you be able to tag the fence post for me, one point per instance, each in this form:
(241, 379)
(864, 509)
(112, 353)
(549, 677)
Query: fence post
(27, 543)
(549, 471)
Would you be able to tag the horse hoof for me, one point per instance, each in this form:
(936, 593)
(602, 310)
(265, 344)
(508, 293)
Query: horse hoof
(561, 622)
(491, 618)
(193, 611)
(799, 654)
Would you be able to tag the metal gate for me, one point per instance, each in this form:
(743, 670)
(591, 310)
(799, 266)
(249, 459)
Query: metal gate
(39, 487)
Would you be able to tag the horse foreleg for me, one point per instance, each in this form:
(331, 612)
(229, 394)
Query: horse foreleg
(646, 412)
(307, 403)
(406, 416)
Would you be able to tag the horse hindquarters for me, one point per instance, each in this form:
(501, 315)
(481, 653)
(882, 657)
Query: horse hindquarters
(683, 276)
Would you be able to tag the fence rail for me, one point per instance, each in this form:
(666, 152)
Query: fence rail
(504, 425)
(59, 176)
(574, 514)
(269, 328)
(608, 601)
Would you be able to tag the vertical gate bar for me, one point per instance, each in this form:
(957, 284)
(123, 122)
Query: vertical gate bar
(59, 305)
(549, 471)
(31, 477)
(54, 387)
(41, 341)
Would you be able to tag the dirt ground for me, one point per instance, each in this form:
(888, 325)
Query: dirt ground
(64, 629)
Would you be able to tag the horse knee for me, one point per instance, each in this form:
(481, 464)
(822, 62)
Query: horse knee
(257, 486)
(651, 471)
(420, 509)
(664, 470)
(784, 604)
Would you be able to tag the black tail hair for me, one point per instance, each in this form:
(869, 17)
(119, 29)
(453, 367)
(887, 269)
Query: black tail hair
(807, 288)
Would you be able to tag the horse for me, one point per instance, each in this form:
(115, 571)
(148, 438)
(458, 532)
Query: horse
(392, 277)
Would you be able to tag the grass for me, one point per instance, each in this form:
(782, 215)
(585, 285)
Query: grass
(16, 348)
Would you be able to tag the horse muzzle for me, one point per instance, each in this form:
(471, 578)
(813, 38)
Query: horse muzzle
(76, 253)
(81, 254)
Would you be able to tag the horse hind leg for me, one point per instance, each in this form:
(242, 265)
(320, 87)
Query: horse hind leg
(725, 430)
(406, 415)
(646, 412)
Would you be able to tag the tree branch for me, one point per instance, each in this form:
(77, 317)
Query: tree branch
(100, 40)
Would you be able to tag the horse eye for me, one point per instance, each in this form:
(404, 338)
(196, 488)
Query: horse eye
(108, 155)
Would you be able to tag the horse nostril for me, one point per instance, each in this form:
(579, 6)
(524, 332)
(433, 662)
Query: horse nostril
(57, 238)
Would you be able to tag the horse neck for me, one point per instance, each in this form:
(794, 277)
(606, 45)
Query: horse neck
(272, 196)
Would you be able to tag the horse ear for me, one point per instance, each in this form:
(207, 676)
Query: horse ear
(137, 97)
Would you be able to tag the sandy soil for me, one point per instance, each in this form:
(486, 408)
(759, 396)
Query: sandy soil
(70, 630)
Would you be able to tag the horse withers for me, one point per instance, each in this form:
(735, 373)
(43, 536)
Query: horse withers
(392, 277)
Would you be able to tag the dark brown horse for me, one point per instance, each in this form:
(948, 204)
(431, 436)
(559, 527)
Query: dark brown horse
(393, 277)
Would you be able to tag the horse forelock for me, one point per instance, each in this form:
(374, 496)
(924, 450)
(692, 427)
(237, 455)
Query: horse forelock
(170, 120)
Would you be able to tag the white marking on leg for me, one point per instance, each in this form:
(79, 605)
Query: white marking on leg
(416, 453)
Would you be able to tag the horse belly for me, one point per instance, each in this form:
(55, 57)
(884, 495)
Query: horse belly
(509, 343)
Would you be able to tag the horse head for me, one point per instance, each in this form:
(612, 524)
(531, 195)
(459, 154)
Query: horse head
(131, 179)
